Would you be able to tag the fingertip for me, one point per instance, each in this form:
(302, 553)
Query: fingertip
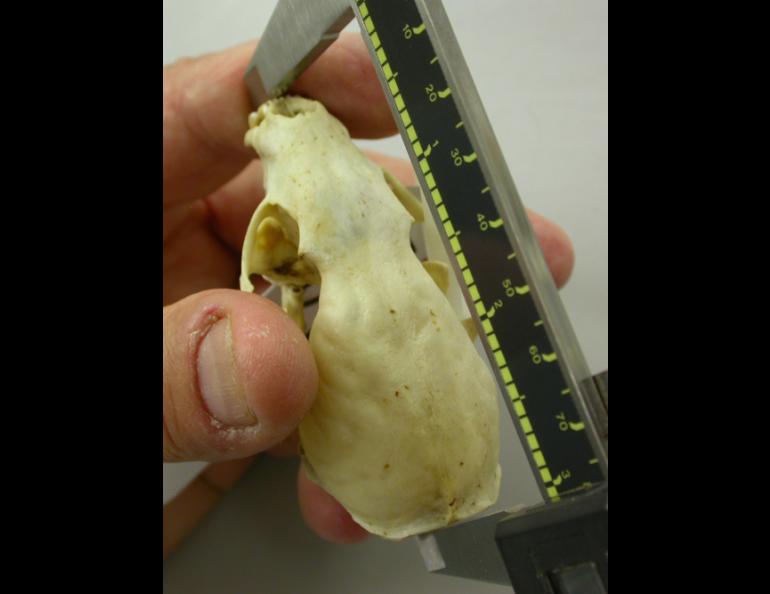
(557, 247)
(277, 366)
(324, 514)
(238, 376)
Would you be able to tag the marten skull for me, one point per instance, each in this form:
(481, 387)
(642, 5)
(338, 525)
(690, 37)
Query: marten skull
(404, 431)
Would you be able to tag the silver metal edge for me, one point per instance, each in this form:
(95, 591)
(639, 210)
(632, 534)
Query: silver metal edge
(319, 21)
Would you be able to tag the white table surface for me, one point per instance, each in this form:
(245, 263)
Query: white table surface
(541, 68)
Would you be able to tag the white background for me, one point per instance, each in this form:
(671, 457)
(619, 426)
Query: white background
(541, 68)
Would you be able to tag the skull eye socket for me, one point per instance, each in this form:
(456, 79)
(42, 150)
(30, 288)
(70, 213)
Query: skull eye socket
(274, 250)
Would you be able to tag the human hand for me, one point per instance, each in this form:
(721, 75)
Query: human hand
(238, 374)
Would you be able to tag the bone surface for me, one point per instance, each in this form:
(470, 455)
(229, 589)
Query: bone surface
(404, 431)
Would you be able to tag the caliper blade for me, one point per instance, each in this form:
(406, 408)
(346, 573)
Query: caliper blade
(297, 33)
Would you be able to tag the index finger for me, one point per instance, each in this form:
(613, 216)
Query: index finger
(206, 106)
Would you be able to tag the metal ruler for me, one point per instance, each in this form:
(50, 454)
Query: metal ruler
(558, 410)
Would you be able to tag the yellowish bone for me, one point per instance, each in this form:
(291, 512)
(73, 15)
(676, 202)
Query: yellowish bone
(404, 430)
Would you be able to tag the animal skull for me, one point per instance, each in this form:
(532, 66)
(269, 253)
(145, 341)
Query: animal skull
(404, 431)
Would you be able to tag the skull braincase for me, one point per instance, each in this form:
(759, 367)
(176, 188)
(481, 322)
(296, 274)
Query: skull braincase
(404, 431)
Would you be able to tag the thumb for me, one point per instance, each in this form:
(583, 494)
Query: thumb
(238, 376)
